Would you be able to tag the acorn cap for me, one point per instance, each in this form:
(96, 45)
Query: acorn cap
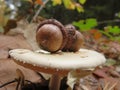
(60, 63)
(75, 39)
(71, 32)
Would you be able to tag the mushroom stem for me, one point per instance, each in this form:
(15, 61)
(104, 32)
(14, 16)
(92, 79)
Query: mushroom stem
(55, 82)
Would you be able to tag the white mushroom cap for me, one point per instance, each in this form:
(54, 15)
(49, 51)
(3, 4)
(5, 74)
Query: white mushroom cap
(61, 62)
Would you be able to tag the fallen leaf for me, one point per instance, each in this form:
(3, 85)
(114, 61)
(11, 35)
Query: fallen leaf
(28, 31)
(12, 42)
(39, 2)
(109, 82)
(8, 73)
(100, 73)
(10, 24)
(3, 54)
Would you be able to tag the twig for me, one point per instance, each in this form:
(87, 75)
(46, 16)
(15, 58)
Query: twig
(106, 86)
(39, 10)
(109, 21)
(8, 83)
(113, 86)
(41, 76)
(18, 83)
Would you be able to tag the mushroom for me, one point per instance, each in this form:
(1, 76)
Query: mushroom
(58, 64)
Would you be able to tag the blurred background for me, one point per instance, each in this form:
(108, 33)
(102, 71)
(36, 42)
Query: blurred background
(84, 14)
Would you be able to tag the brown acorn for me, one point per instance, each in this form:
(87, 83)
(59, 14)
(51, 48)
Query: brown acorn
(75, 39)
(51, 35)
(76, 42)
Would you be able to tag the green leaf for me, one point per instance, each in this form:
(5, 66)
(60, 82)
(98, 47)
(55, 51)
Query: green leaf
(79, 8)
(85, 25)
(110, 62)
(116, 38)
(80, 24)
(91, 22)
(27, 0)
(66, 3)
(106, 34)
(69, 4)
(56, 2)
(82, 1)
(115, 30)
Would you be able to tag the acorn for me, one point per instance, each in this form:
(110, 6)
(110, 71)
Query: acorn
(70, 29)
(75, 39)
(77, 42)
(51, 35)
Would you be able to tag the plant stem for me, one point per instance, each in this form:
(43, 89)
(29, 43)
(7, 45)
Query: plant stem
(39, 10)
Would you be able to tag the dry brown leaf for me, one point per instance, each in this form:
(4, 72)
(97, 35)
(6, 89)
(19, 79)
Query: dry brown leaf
(8, 73)
(110, 83)
(3, 54)
(114, 73)
(115, 45)
(100, 73)
(11, 42)
(28, 30)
